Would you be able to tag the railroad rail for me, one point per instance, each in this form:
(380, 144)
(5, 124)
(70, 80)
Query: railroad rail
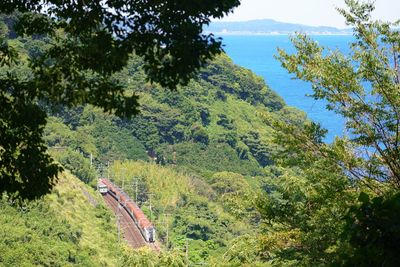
(133, 225)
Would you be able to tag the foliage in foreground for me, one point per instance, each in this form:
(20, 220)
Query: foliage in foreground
(337, 204)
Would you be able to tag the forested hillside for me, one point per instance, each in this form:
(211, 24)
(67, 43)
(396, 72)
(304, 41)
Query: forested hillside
(198, 155)
(211, 125)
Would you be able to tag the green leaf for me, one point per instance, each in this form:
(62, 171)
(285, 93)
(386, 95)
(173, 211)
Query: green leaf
(363, 197)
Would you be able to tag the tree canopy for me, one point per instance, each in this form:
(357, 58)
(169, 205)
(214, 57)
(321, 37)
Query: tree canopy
(81, 45)
(337, 204)
(364, 88)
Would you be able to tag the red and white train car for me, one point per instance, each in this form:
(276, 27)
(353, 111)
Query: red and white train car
(145, 226)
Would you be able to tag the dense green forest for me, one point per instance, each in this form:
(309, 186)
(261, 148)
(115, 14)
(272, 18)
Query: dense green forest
(211, 125)
(226, 167)
(200, 152)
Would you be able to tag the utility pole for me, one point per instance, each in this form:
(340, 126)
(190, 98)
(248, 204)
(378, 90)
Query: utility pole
(91, 160)
(123, 178)
(151, 211)
(187, 252)
(118, 226)
(150, 206)
(108, 170)
(133, 186)
(119, 221)
(136, 191)
(167, 230)
(167, 236)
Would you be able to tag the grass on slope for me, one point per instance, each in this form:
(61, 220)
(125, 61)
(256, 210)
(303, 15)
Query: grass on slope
(69, 227)
(61, 229)
(166, 184)
(80, 205)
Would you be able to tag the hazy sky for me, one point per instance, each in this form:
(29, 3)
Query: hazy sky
(310, 12)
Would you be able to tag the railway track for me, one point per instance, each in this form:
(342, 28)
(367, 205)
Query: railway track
(129, 230)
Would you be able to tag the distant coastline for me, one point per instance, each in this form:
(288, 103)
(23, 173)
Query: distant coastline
(270, 27)
(238, 33)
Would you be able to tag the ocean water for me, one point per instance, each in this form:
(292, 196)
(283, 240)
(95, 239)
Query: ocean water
(256, 52)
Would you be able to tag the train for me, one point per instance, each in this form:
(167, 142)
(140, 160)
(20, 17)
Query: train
(102, 188)
(144, 225)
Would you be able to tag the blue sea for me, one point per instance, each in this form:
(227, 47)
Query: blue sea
(256, 52)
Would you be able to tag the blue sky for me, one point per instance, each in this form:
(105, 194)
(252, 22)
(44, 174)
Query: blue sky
(310, 12)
